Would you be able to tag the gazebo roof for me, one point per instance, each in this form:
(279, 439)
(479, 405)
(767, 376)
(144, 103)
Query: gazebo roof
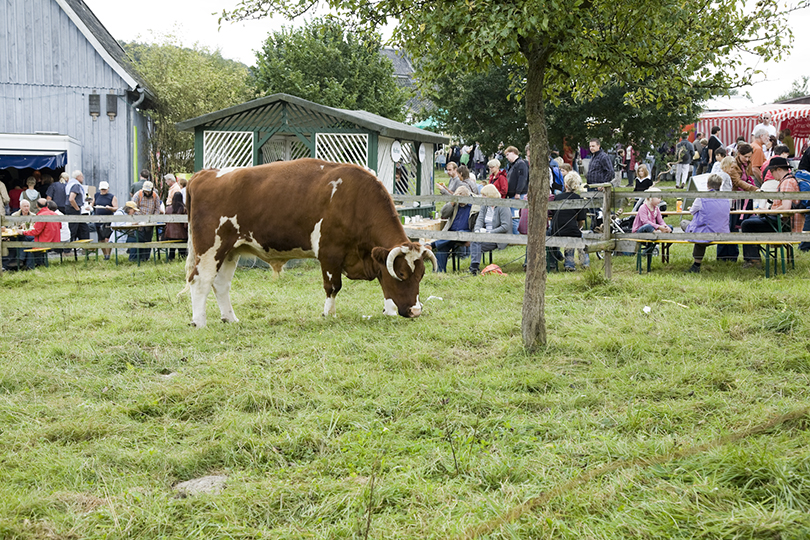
(366, 120)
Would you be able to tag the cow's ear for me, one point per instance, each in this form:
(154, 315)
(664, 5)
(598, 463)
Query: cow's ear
(380, 255)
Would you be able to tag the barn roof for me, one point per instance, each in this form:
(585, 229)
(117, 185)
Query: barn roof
(364, 119)
(104, 43)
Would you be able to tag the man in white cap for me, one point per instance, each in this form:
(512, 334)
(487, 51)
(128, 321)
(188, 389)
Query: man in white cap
(148, 202)
(104, 204)
(76, 194)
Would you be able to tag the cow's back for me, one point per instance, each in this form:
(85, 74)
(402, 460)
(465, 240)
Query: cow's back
(282, 207)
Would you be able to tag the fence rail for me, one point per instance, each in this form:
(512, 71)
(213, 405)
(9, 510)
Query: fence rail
(606, 200)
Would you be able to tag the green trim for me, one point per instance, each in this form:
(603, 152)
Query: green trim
(373, 147)
(256, 149)
(198, 148)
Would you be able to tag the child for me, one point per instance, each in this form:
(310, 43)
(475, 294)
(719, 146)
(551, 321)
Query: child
(649, 219)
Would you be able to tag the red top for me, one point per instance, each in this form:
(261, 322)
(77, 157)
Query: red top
(500, 182)
(46, 232)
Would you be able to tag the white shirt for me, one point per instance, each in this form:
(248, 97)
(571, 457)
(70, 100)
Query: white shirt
(770, 127)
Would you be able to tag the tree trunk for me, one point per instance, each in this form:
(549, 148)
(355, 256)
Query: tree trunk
(533, 326)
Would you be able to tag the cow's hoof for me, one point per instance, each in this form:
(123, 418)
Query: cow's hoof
(226, 320)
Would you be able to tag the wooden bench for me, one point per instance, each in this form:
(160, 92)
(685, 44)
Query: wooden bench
(770, 249)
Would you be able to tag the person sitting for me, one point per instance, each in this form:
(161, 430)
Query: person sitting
(491, 220)
(782, 173)
(468, 179)
(497, 177)
(643, 179)
(709, 216)
(649, 220)
(568, 222)
(42, 232)
(458, 220)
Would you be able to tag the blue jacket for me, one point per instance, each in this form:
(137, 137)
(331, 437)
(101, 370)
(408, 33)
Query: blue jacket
(600, 170)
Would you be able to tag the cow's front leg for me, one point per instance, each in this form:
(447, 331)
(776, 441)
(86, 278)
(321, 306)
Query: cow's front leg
(222, 288)
(331, 284)
(200, 287)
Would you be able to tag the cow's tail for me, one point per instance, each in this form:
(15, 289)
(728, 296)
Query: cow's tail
(191, 259)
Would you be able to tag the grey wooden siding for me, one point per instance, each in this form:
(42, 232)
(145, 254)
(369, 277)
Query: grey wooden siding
(48, 69)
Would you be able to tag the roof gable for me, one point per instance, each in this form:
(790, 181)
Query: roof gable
(372, 122)
(103, 42)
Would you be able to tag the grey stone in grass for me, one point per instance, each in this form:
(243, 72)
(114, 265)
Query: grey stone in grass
(197, 486)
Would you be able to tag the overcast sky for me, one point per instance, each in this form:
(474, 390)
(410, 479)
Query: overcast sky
(195, 21)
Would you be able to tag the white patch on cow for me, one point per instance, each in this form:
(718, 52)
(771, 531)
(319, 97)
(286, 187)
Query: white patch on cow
(410, 257)
(321, 167)
(335, 184)
(390, 308)
(315, 238)
(329, 307)
(416, 309)
(329, 276)
(226, 170)
(224, 219)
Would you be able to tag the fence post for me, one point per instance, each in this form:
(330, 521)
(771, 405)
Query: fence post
(606, 228)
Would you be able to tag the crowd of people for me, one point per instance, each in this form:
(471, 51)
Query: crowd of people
(754, 163)
(69, 195)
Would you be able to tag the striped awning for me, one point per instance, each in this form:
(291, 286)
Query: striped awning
(734, 123)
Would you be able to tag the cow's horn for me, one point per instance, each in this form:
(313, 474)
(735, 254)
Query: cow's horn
(389, 263)
(428, 254)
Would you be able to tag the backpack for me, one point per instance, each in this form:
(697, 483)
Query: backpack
(803, 179)
(557, 182)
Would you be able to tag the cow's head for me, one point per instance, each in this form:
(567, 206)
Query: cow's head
(400, 270)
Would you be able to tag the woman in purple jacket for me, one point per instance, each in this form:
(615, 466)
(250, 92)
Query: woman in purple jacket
(710, 216)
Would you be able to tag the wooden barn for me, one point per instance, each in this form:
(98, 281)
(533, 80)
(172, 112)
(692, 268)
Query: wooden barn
(70, 97)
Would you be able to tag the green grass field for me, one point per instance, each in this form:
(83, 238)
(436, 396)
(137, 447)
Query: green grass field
(365, 426)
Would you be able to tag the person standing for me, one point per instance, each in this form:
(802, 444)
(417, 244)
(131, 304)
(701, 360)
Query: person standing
(684, 151)
(766, 125)
(76, 194)
(56, 192)
(104, 204)
(600, 171)
(517, 178)
(758, 158)
(148, 202)
(4, 198)
(176, 231)
(145, 176)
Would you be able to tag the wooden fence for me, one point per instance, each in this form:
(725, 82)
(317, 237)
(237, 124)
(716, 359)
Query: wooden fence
(606, 201)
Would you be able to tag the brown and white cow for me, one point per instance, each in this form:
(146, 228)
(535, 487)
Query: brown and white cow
(337, 213)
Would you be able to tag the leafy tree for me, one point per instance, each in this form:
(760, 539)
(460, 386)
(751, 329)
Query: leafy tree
(480, 107)
(582, 46)
(487, 107)
(799, 88)
(325, 63)
(188, 82)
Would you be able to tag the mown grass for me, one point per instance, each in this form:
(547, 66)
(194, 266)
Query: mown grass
(375, 427)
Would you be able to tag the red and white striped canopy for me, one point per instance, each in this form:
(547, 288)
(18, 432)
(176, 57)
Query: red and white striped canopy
(735, 123)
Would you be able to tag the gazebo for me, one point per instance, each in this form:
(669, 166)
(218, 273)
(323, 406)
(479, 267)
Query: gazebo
(285, 127)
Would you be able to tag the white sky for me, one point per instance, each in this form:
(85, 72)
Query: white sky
(195, 21)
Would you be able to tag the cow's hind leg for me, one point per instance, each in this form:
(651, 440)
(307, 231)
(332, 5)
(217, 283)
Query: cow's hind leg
(331, 284)
(222, 288)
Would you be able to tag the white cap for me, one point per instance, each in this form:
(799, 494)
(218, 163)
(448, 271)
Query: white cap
(148, 186)
(103, 185)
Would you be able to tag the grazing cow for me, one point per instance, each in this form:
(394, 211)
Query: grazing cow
(337, 213)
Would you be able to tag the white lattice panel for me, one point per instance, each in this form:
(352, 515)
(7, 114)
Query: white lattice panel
(227, 149)
(407, 182)
(299, 150)
(273, 150)
(342, 147)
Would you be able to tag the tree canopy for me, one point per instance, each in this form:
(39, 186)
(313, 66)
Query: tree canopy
(325, 63)
(582, 46)
(188, 82)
